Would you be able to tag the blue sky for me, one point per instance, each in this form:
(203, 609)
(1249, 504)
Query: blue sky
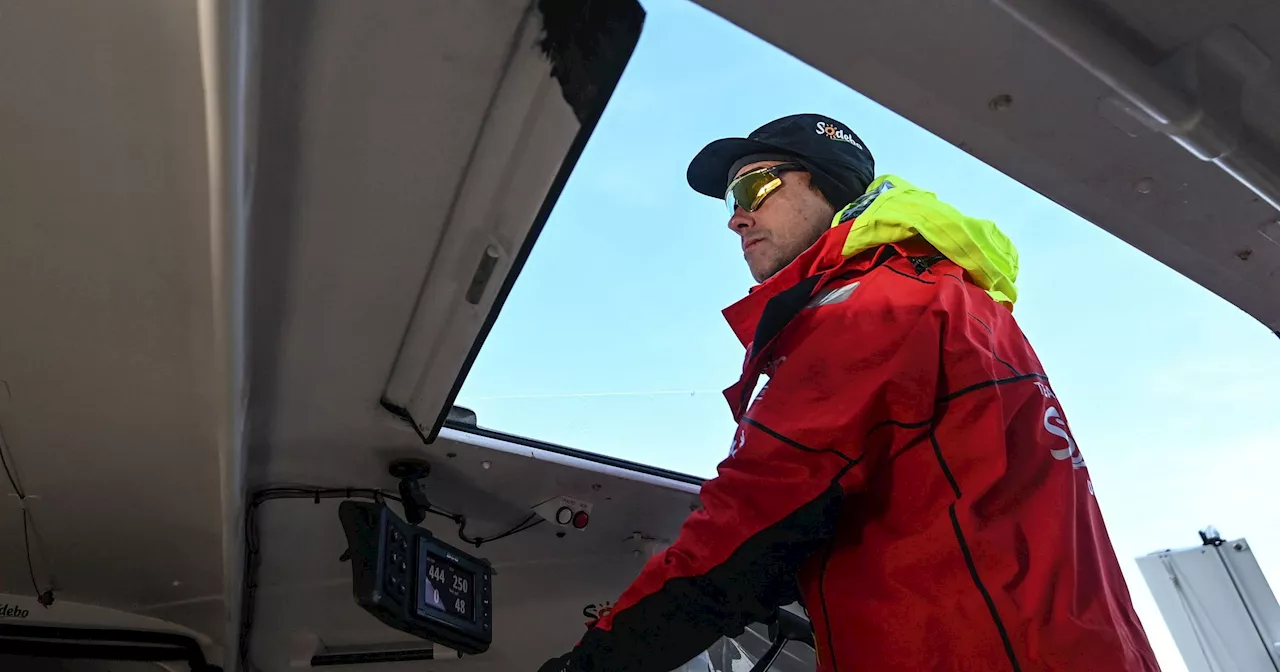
(612, 339)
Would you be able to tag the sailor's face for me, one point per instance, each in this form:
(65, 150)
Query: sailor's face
(789, 220)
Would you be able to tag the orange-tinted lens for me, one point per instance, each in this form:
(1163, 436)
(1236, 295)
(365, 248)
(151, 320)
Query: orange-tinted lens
(749, 191)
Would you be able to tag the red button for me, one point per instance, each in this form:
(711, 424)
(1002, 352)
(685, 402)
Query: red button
(580, 519)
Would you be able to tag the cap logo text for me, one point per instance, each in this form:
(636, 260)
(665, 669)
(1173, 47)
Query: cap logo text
(835, 133)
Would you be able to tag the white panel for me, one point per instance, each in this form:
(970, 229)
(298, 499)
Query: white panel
(1209, 597)
(1255, 593)
(107, 305)
(518, 155)
(943, 64)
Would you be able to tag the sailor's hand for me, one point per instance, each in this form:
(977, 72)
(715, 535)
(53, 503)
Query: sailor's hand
(560, 664)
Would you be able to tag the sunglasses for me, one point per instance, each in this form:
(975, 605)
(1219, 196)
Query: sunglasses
(749, 190)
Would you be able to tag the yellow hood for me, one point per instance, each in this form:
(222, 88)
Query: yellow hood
(893, 210)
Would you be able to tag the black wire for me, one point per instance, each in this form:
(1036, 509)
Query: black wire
(16, 490)
(461, 522)
(4, 445)
(516, 530)
(26, 541)
(480, 541)
(248, 593)
(26, 518)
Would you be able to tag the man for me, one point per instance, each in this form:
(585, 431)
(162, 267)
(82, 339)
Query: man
(907, 472)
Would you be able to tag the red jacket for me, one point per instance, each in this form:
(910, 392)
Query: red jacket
(907, 473)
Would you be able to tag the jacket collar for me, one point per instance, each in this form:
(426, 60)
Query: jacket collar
(823, 259)
(822, 256)
(762, 316)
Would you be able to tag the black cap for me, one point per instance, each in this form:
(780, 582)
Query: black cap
(840, 165)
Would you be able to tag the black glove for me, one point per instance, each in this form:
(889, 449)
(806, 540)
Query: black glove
(560, 664)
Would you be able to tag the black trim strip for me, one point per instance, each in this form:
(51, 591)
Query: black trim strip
(800, 446)
(1007, 365)
(102, 644)
(992, 334)
(1011, 369)
(984, 326)
(898, 423)
(627, 464)
(911, 277)
(986, 596)
(369, 657)
(779, 311)
(950, 398)
(93, 651)
(844, 470)
(911, 444)
(989, 383)
(574, 452)
(942, 462)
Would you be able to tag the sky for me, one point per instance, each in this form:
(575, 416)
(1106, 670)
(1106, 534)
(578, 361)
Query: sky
(612, 339)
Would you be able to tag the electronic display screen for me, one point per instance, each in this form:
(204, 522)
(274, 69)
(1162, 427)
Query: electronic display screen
(445, 586)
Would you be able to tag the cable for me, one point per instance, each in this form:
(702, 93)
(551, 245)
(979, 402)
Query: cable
(4, 448)
(461, 521)
(45, 598)
(26, 541)
(16, 490)
(249, 589)
(478, 541)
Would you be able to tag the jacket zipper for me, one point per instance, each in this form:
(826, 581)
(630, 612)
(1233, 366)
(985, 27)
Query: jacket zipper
(922, 264)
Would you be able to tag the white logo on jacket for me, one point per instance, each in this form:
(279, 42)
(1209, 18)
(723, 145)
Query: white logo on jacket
(770, 369)
(1056, 425)
(739, 438)
(833, 296)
